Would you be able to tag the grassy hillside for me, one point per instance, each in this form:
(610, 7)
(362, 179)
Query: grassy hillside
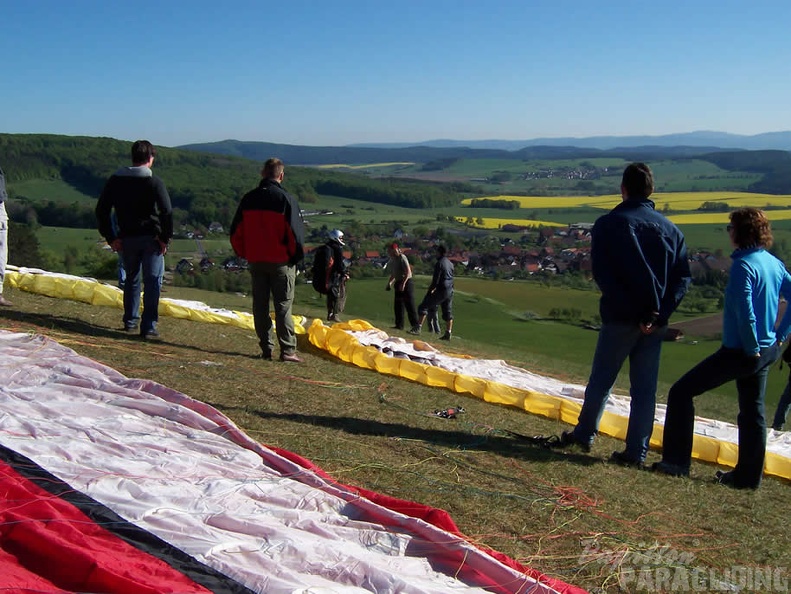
(547, 509)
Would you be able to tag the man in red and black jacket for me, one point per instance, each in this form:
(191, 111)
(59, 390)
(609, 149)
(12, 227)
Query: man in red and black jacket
(268, 231)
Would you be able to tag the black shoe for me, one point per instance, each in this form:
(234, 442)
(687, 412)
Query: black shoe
(152, 334)
(729, 479)
(265, 356)
(670, 469)
(567, 439)
(131, 329)
(621, 459)
(445, 336)
(414, 330)
(396, 327)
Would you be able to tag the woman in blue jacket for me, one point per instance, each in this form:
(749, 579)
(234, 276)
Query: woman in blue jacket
(750, 345)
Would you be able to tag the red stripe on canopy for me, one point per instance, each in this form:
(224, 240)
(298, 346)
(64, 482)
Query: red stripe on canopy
(48, 545)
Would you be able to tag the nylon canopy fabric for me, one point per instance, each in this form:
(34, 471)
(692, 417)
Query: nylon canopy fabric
(360, 343)
(137, 458)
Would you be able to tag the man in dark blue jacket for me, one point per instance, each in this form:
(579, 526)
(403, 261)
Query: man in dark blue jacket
(640, 265)
(136, 218)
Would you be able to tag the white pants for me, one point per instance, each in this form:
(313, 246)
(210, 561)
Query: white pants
(3, 243)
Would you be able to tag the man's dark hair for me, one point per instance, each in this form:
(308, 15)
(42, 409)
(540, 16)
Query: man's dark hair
(142, 151)
(638, 181)
(441, 250)
(272, 168)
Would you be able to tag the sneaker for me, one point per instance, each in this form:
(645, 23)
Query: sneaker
(290, 358)
(5, 302)
(414, 330)
(445, 336)
(669, 469)
(131, 329)
(622, 459)
(568, 439)
(152, 334)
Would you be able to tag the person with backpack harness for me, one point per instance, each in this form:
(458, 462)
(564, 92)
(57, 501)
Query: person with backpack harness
(332, 273)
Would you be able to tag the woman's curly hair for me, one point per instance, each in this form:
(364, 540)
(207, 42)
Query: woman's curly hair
(751, 228)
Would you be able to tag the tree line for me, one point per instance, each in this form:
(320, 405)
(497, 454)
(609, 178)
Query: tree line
(204, 188)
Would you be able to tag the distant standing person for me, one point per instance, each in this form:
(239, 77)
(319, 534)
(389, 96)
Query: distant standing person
(268, 231)
(338, 275)
(439, 294)
(783, 406)
(3, 238)
(401, 281)
(750, 345)
(140, 204)
(640, 265)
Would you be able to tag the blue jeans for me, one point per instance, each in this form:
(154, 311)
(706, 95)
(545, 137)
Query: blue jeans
(142, 256)
(616, 343)
(723, 366)
(781, 414)
(277, 280)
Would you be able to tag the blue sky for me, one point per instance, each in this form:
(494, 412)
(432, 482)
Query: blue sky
(336, 72)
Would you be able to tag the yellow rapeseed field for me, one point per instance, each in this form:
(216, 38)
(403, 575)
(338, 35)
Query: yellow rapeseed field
(490, 223)
(676, 201)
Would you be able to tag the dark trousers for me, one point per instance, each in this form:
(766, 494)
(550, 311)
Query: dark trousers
(276, 281)
(405, 300)
(723, 366)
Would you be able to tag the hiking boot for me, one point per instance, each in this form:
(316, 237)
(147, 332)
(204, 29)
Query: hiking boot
(622, 459)
(670, 469)
(152, 334)
(414, 330)
(290, 358)
(568, 439)
(265, 356)
(445, 336)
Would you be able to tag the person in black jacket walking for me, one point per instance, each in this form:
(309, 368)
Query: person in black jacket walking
(135, 217)
(439, 295)
(640, 265)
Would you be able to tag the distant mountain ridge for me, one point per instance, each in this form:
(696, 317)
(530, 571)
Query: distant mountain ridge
(703, 139)
(628, 147)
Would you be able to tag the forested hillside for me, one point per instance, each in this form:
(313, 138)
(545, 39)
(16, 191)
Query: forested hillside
(203, 187)
(774, 165)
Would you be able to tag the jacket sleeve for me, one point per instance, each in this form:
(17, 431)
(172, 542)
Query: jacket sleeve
(237, 232)
(784, 326)
(104, 208)
(678, 283)
(601, 261)
(165, 212)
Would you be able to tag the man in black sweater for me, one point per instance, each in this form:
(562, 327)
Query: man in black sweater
(144, 217)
